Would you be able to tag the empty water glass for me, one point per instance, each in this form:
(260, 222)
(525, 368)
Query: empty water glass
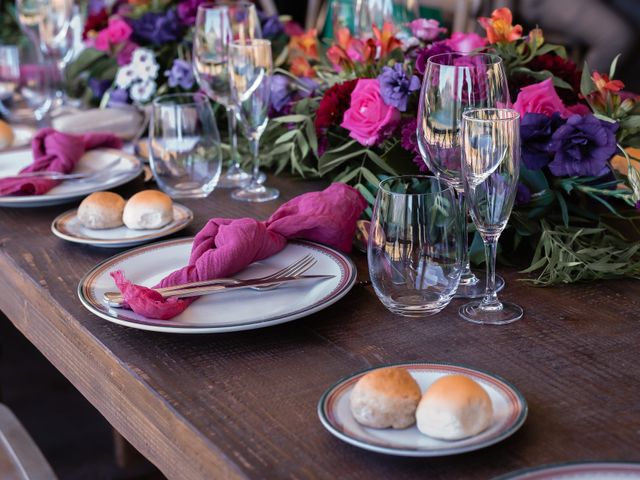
(184, 145)
(415, 245)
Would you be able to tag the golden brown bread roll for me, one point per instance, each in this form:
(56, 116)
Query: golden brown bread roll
(101, 210)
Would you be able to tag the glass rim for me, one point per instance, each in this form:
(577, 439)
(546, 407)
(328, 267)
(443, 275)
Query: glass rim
(250, 43)
(495, 59)
(382, 185)
(159, 101)
(511, 114)
(225, 4)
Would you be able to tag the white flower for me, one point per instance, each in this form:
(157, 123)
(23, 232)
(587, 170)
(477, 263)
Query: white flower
(125, 76)
(142, 91)
(145, 64)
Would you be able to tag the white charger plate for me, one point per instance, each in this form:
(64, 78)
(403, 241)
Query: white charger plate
(509, 413)
(68, 227)
(222, 312)
(128, 168)
(579, 471)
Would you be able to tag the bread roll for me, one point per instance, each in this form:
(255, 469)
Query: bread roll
(454, 407)
(101, 210)
(148, 209)
(6, 135)
(384, 398)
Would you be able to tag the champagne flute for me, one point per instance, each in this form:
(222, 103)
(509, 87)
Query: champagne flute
(250, 69)
(217, 25)
(452, 83)
(490, 167)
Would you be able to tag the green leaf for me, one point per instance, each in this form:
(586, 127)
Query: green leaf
(586, 84)
(614, 64)
(365, 193)
(290, 119)
(370, 177)
(328, 162)
(285, 137)
(563, 208)
(84, 61)
(312, 137)
(375, 158)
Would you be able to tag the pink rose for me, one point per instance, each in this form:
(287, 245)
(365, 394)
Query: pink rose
(368, 119)
(101, 42)
(117, 32)
(465, 42)
(126, 53)
(426, 29)
(540, 98)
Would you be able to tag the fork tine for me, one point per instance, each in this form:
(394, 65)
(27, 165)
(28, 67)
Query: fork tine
(285, 272)
(303, 268)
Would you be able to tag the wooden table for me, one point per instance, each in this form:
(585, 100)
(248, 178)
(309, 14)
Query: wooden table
(243, 405)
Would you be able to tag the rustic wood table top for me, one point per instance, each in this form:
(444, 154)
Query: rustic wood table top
(243, 405)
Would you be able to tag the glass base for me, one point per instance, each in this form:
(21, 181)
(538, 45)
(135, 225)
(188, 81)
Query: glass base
(475, 285)
(506, 313)
(238, 178)
(257, 194)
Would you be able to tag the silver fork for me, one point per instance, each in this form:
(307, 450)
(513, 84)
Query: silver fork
(300, 266)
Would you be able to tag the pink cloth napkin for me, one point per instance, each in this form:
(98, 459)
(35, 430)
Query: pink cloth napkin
(225, 246)
(54, 151)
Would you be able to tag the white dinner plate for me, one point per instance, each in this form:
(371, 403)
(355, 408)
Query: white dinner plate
(128, 168)
(222, 312)
(509, 413)
(68, 227)
(579, 471)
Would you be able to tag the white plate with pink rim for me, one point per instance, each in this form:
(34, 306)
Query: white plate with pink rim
(509, 413)
(123, 167)
(68, 227)
(223, 312)
(595, 470)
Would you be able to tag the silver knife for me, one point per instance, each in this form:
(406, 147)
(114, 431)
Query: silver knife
(254, 284)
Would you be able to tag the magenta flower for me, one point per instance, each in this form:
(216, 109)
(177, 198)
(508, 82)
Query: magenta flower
(426, 30)
(425, 54)
(465, 42)
(540, 98)
(117, 32)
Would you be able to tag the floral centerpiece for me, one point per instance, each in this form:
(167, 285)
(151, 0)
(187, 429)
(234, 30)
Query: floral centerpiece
(347, 112)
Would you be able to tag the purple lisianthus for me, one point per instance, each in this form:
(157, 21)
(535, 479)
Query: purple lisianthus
(523, 194)
(118, 96)
(98, 87)
(396, 86)
(582, 146)
(180, 74)
(409, 141)
(157, 28)
(535, 132)
(187, 11)
(284, 90)
(271, 25)
(426, 53)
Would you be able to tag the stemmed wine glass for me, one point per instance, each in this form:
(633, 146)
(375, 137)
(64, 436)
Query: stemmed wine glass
(490, 167)
(217, 26)
(250, 68)
(57, 36)
(452, 83)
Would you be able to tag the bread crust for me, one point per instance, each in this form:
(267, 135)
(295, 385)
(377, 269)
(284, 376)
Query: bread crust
(149, 209)
(101, 210)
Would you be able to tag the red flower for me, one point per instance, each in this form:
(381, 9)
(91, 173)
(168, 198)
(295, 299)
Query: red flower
(336, 101)
(95, 22)
(604, 84)
(500, 28)
(562, 68)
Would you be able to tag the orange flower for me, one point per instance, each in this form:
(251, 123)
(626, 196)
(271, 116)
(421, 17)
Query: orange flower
(300, 67)
(348, 50)
(385, 38)
(306, 44)
(500, 28)
(603, 84)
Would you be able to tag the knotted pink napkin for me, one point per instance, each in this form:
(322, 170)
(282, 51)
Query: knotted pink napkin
(58, 152)
(225, 246)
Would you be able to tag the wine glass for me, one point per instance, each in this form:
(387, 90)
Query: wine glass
(217, 26)
(184, 145)
(490, 167)
(414, 253)
(57, 37)
(452, 83)
(377, 12)
(250, 68)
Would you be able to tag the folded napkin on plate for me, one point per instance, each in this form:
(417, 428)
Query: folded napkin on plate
(54, 152)
(225, 246)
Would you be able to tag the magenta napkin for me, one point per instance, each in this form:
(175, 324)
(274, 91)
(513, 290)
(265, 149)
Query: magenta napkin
(225, 246)
(54, 151)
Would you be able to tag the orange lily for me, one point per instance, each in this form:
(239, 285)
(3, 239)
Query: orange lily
(307, 43)
(385, 39)
(604, 84)
(300, 67)
(500, 28)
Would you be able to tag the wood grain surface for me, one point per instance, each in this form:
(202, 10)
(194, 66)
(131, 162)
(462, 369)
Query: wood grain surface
(243, 405)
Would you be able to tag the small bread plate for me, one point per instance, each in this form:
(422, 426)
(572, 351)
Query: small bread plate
(509, 413)
(578, 471)
(224, 312)
(126, 169)
(68, 227)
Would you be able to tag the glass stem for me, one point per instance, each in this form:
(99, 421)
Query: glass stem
(254, 144)
(490, 299)
(233, 137)
(462, 204)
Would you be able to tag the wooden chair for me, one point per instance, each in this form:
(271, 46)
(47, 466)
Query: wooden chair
(20, 458)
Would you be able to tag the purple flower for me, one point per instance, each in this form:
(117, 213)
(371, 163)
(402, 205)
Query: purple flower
(582, 146)
(535, 132)
(98, 87)
(187, 11)
(95, 6)
(523, 194)
(271, 25)
(118, 96)
(180, 74)
(638, 204)
(396, 85)
(157, 28)
(409, 141)
(426, 53)
(284, 90)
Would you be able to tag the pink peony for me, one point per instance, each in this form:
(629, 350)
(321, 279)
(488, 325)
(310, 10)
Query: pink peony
(540, 98)
(465, 42)
(117, 32)
(426, 29)
(368, 119)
